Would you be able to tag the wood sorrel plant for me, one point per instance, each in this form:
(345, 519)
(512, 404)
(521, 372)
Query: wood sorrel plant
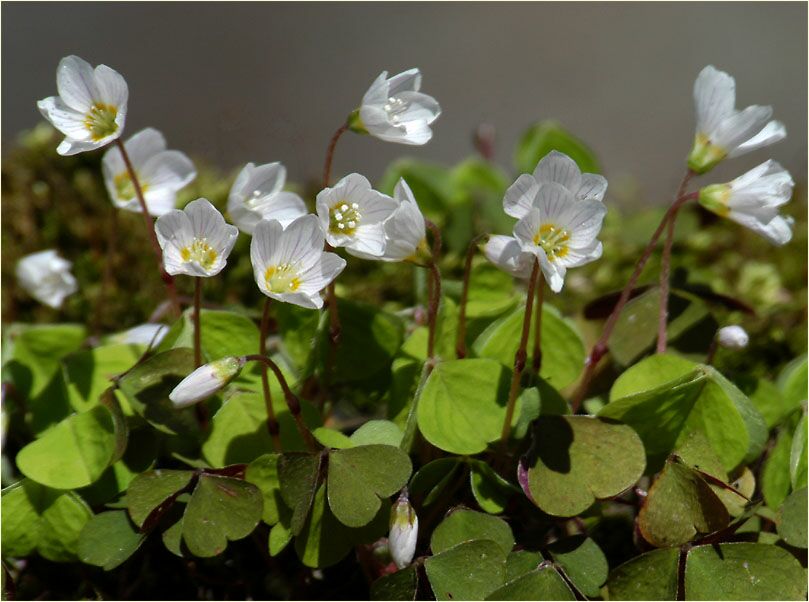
(458, 448)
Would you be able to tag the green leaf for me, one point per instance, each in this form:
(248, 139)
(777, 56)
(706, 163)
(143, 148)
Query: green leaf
(792, 519)
(401, 585)
(72, 454)
(545, 136)
(562, 346)
(446, 332)
(382, 432)
(152, 489)
(109, 539)
(42, 519)
(429, 182)
(650, 576)
(468, 571)
(575, 460)
(299, 476)
(88, 373)
(767, 398)
(583, 562)
(665, 397)
(360, 476)
(331, 438)
(147, 389)
(680, 506)
(280, 536)
(492, 492)
(298, 326)
(797, 456)
(222, 334)
(263, 473)
(221, 509)
(743, 571)
(792, 381)
(462, 406)
(775, 480)
(521, 562)
(463, 525)
(543, 583)
(430, 481)
(491, 291)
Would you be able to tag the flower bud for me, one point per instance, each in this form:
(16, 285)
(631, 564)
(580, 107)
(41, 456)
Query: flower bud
(404, 530)
(205, 381)
(732, 337)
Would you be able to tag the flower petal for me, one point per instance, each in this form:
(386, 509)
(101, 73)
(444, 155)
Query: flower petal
(76, 83)
(112, 88)
(773, 132)
(714, 97)
(520, 196)
(559, 168)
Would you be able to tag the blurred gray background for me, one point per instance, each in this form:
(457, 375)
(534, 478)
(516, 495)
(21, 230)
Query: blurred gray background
(238, 82)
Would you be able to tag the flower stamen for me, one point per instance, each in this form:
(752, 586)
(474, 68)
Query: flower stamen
(344, 218)
(282, 278)
(100, 121)
(200, 252)
(553, 240)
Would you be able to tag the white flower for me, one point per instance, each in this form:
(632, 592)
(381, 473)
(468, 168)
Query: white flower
(507, 254)
(160, 172)
(560, 230)
(404, 531)
(554, 168)
(196, 240)
(289, 264)
(258, 193)
(753, 200)
(47, 277)
(205, 381)
(395, 111)
(733, 337)
(405, 230)
(352, 215)
(145, 334)
(91, 107)
(722, 131)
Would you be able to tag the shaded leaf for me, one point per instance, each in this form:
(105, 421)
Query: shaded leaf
(88, 373)
(463, 525)
(792, 519)
(775, 478)
(543, 583)
(401, 585)
(299, 477)
(491, 491)
(583, 562)
(468, 571)
(797, 456)
(263, 473)
(429, 482)
(650, 576)
(152, 489)
(382, 432)
(109, 539)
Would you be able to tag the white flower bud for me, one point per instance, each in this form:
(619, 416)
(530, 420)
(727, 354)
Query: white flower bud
(205, 381)
(404, 531)
(733, 337)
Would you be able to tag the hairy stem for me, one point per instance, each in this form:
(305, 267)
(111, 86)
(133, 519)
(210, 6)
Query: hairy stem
(171, 289)
(292, 401)
(520, 356)
(272, 421)
(537, 353)
(665, 269)
(460, 341)
(599, 350)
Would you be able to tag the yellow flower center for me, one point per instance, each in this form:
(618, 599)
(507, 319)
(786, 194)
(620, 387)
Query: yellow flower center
(201, 252)
(100, 121)
(344, 218)
(553, 240)
(282, 278)
(124, 187)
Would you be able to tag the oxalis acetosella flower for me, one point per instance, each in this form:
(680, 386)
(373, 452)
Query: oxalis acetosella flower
(196, 240)
(560, 231)
(46, 277)
(205, 381)
(91, 107)
(404, 531)
(753, 200)
(160, 172)
(393, 109)
(289, 264)
(258, 193)
(353, 214)
(553, 168)
(722, 131)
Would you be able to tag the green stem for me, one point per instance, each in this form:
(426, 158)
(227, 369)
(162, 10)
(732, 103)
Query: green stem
(537, 354)
(410, 425)
(460, 341)
(272, 421)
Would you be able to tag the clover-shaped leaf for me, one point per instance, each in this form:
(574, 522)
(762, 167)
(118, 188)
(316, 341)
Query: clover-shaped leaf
(469, 571)
(299, 477)
(360, 476)
(650, 576)
(221, 509)
(109, 539)
(575, 460)
(466, 525)
(153, 489)
(542, 583)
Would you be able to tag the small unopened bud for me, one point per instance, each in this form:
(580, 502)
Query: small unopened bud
(404, 530)
(205, 381)
(732, 337)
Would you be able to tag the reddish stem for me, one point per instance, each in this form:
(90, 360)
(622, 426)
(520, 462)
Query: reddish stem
(272, 422)
(460, 341)
(537, 354)
(197, 329)
(435, 289)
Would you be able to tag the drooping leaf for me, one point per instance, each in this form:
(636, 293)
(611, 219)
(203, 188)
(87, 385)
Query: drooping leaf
(797, 456)
(88, 373)
(543, 583)
(401, 585)
(463, 525)
(109, 539)
(299, 477)
(792, 519)
(775, 478)
(72, 454)
(430, 481)
(42, 519)
(650, 576)
(221, 509)
(680, 506)
(150, 490)
(491, 491)
(381, 432)
(743, 571)
(582, 561)
(359, 477)
(562, 346)
(575, 460)
(792, 381)
(263, 473)
(331, 438)
(462, 406)
(469, 571)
